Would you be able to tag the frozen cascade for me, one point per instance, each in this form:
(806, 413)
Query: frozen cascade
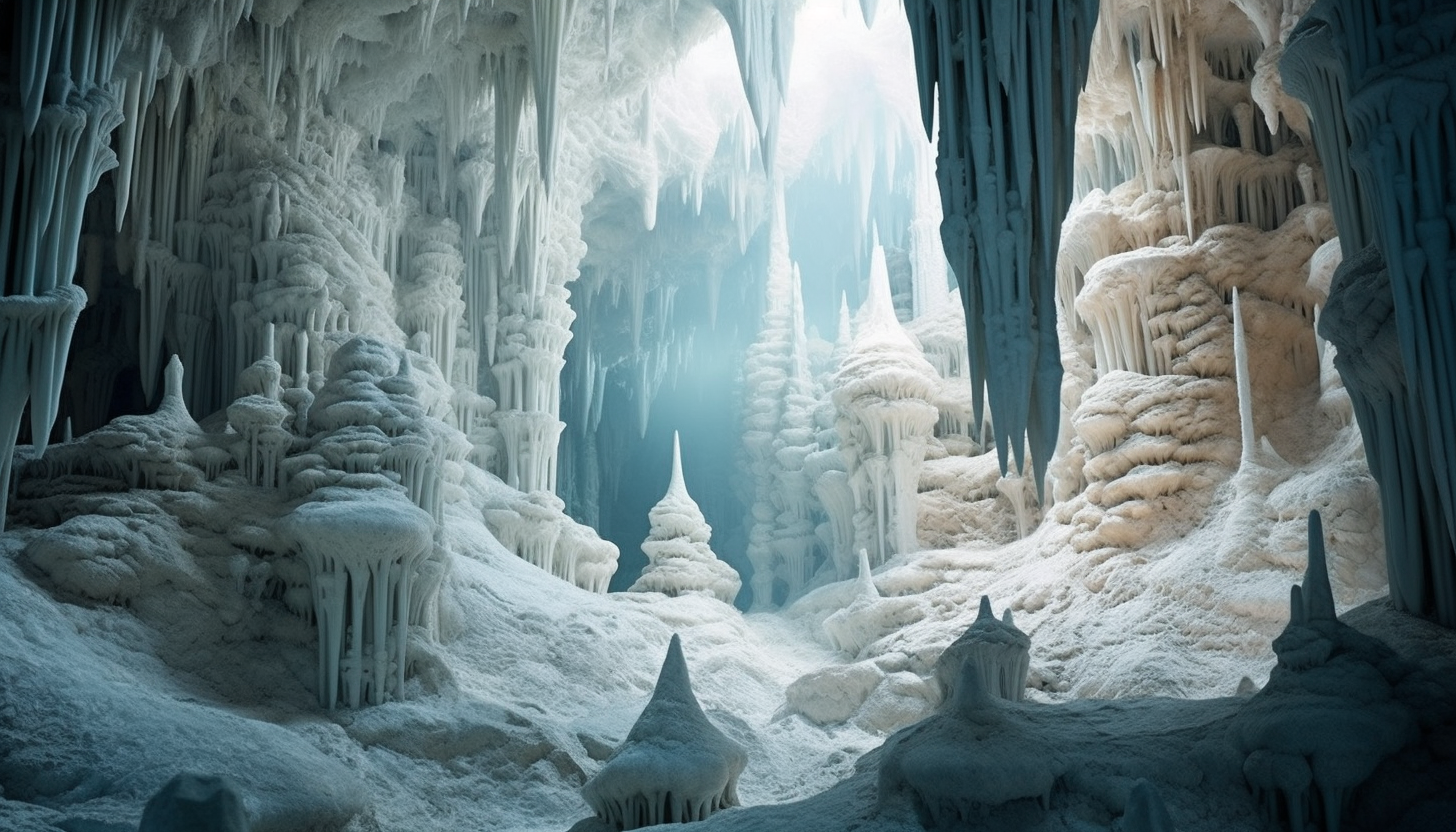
(1006, 119)
(883, 392)
(362, 547)
(679, 559)
(675, 766)
(1376, 78)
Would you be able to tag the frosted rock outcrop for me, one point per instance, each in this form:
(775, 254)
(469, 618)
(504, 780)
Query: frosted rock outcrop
(1001, 653)
(675, 765)
(679, 559)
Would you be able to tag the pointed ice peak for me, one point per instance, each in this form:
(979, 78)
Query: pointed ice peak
(676, 484)
(1319, 599)
(1296, 606)
(985, 614)
(878, 311)
(970, 698)
(866, 579)
(673, 684)
(1006, 618)
(172, 399)
(845, 334)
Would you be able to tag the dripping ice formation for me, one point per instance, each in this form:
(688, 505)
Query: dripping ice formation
(444, 276)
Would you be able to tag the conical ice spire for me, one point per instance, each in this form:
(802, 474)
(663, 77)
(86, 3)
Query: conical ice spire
(1319, 599)
(676, 484)
(673, 684)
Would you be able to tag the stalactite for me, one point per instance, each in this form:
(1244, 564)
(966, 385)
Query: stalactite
(1007, 77)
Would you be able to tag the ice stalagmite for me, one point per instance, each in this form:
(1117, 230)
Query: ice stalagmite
(976, 753)
(1005, 75)
(1377, 79)
(883, 392)
(1334, 708)
(675, 765)
(679, 559)
(1001, 653)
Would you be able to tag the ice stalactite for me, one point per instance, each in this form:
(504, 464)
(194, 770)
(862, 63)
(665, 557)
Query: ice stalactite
(675, 766)
(763, 39)
(679, 559)
(883, 391)
(362, 547)
(1001, 653)
(550, 23)
(1377, 78)
(1005, 79)
(55, 141)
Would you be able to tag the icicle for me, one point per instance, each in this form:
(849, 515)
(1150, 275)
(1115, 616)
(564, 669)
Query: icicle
(550, 22)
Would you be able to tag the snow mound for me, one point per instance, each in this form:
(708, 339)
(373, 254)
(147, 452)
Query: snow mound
(674, 766)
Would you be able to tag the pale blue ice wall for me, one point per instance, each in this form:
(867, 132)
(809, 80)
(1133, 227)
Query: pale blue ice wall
(1005, 75)
(1378, 78)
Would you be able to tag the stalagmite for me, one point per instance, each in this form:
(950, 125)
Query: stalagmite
(1001, 653)
(679, 560)
(675, 766)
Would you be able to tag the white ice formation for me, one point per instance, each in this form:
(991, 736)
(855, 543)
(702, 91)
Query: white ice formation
(883, 391)
(363, 548)
(675, 766)
(1001, 653)
(679, 559)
